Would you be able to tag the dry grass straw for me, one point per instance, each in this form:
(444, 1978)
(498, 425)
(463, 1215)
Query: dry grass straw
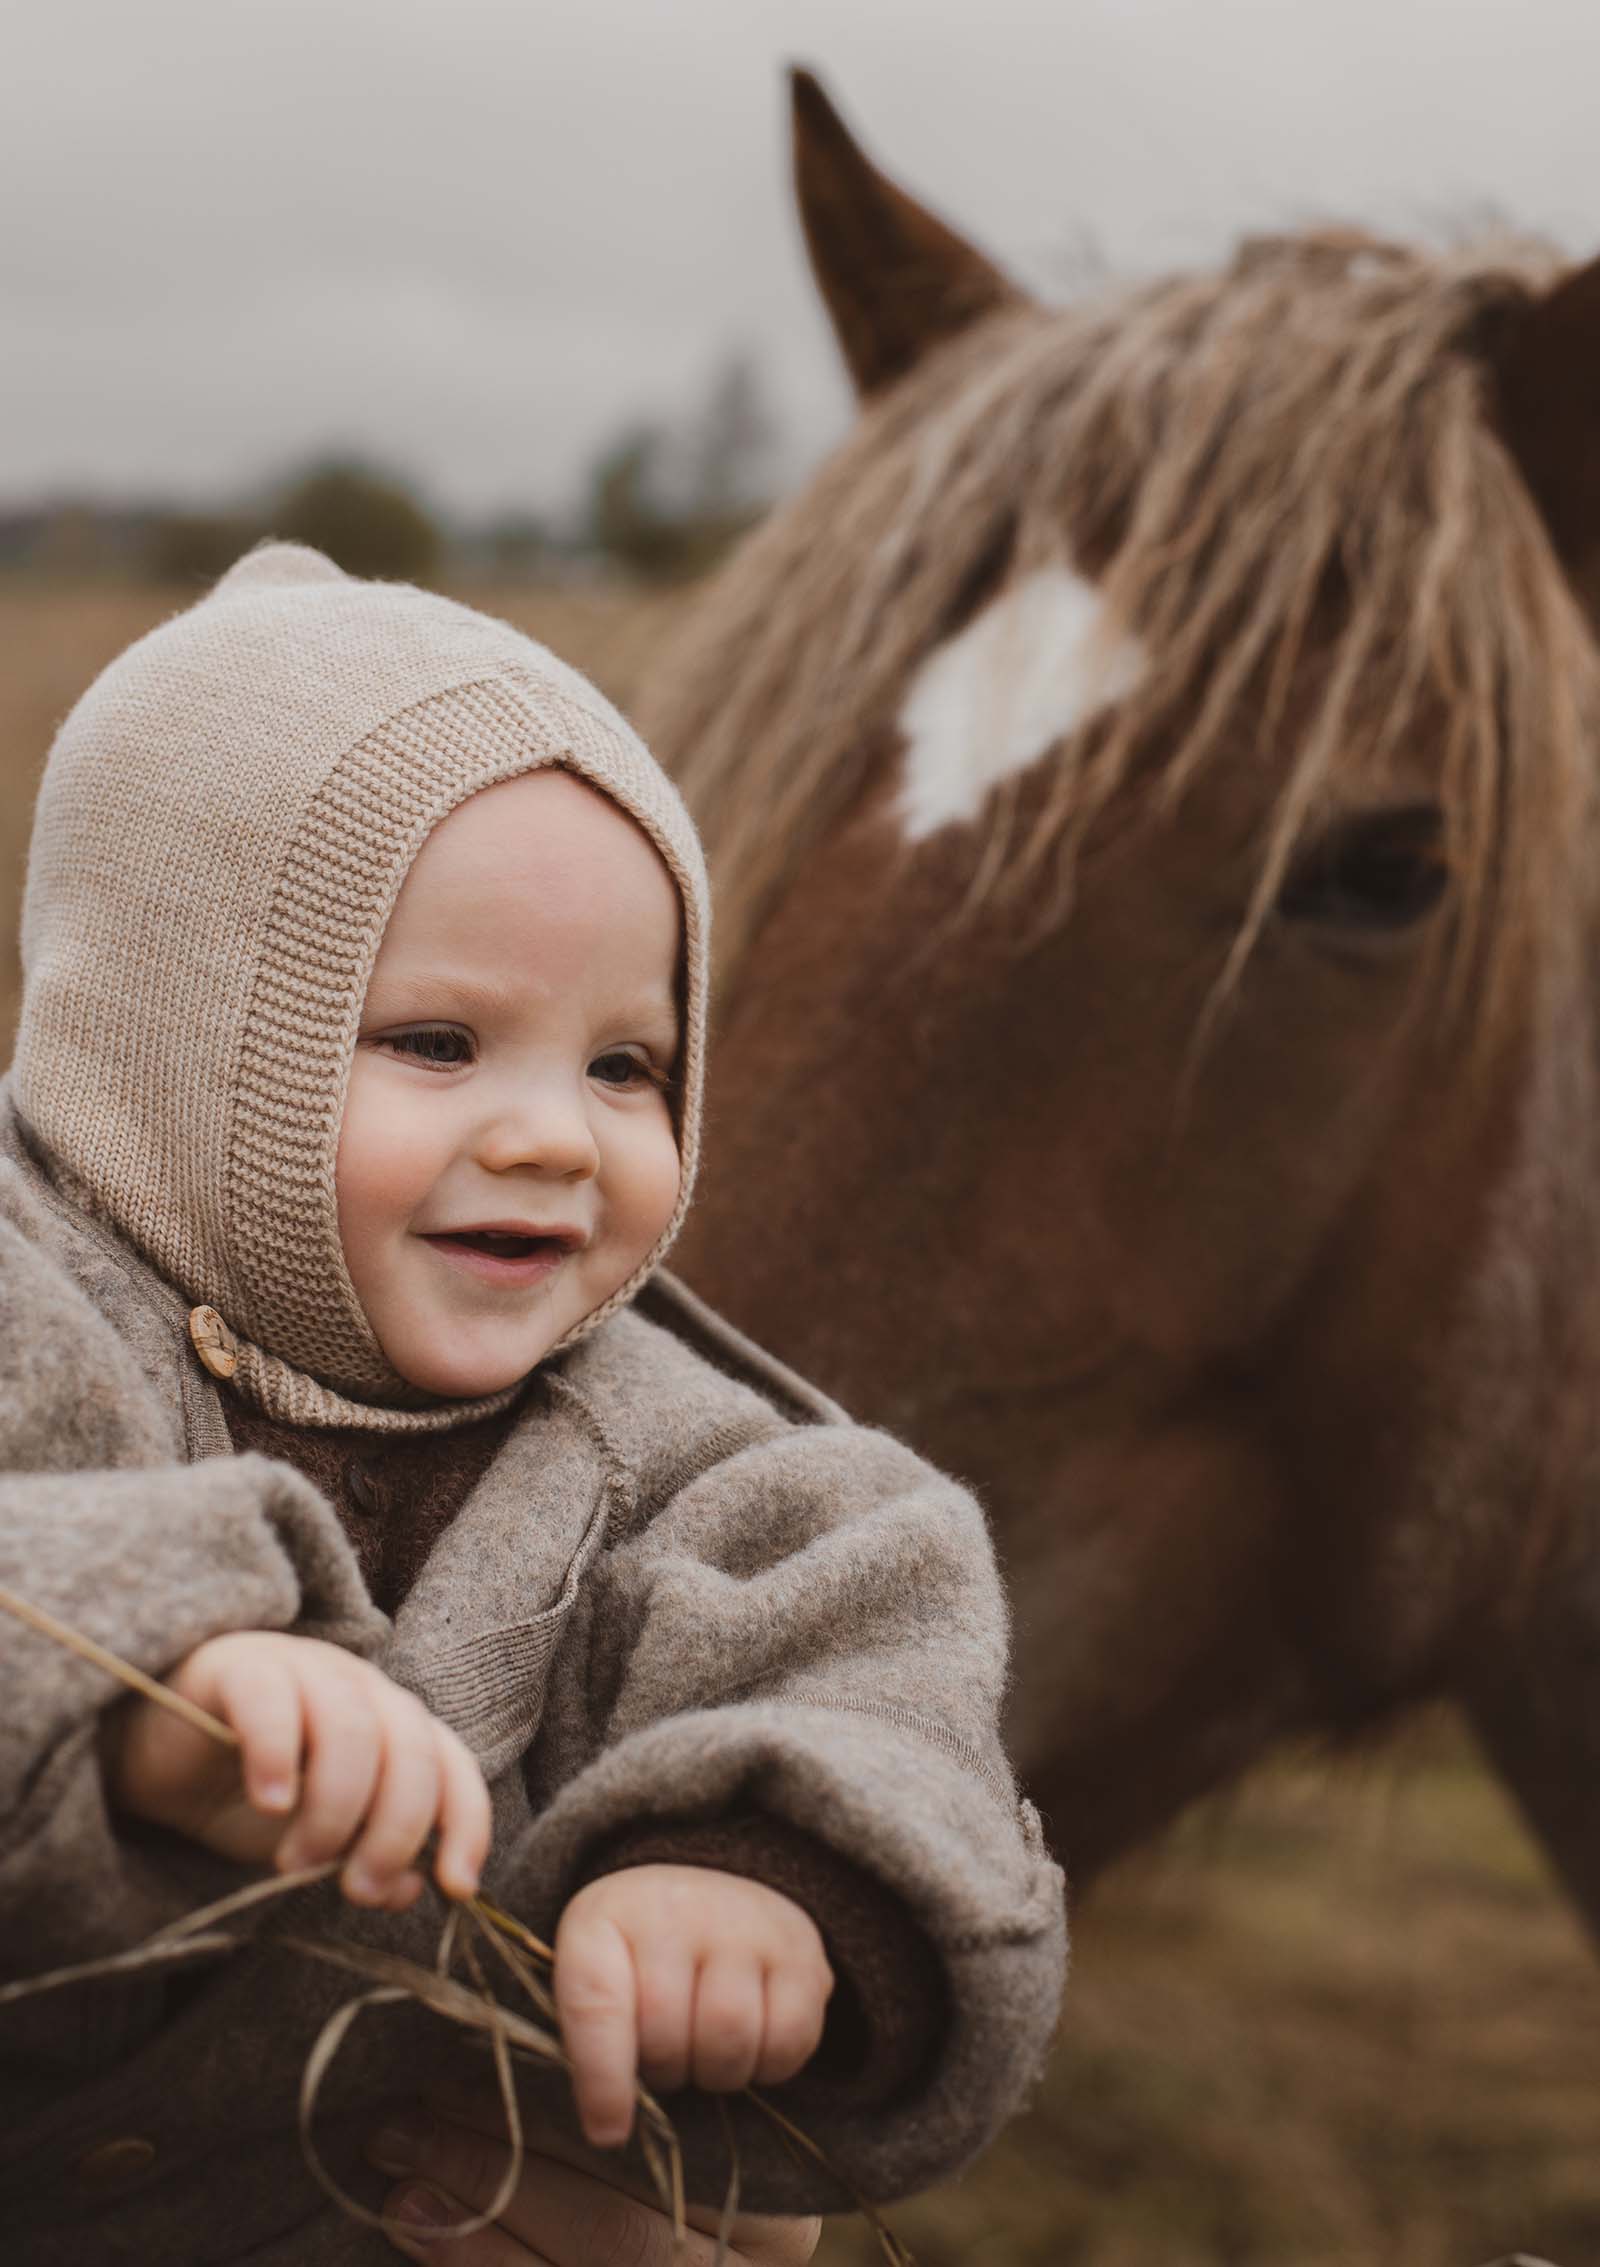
(1285, 478)
(472, 1927)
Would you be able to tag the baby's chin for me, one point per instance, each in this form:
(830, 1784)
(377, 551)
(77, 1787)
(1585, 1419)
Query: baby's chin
(464, 1372)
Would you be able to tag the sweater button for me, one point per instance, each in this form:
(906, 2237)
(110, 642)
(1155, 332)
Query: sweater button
(114, 2165)
(365, 1492)
(213, 1341)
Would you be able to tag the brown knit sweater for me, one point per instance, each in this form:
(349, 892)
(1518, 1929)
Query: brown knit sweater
(395, 1493)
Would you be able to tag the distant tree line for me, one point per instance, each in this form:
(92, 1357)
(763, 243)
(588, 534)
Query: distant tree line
(662, 500)
(666, 502)
(368, 521)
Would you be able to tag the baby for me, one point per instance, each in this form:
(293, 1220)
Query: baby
(507, 1162)
(355, 1105)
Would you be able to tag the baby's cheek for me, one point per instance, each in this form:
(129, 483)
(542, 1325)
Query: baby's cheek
(381, 1170)
(659, 1178)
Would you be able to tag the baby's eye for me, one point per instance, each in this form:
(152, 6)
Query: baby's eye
(620, 1067)
(442, 1046)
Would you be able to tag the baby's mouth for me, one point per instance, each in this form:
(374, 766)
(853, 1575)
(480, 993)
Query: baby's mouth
(496, 1244)
(504, 1255)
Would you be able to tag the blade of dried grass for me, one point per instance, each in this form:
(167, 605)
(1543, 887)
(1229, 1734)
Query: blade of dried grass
(263, 1892)
(801, 2146)
(657, 2138)
(113, 1964)
(461, 1927)
(730, 2202)
(195, 1931)
(445, 1950)
(663, 2158)
(443, 1995)
(320, 2061)
(328, 2042)
(435, 1988)
(507, 1945)
(87, 1649)
(510, 1926)
(658, 2143)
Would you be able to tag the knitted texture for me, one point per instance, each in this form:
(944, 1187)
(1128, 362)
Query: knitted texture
(224, 825)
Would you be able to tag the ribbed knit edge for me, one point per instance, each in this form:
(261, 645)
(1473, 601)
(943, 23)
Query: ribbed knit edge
(281, 1391)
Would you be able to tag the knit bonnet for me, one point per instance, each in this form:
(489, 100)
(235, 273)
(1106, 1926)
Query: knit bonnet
(224, 825)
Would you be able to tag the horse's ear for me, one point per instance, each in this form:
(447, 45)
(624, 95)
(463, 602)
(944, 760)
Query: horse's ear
(896, 280)
(1545, 356)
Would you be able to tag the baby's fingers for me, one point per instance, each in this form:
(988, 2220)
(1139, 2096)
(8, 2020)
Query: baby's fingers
(729, 2017)
(344, 1751)
(666, 2016)
(596, 1998)
(464, 1815)
(257, 1697)
(797, 2001)
(405, 1804)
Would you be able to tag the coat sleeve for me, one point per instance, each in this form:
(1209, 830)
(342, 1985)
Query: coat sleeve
(104, 1526)
(812, 1631)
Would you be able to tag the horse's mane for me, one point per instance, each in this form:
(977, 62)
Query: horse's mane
(1291, 462)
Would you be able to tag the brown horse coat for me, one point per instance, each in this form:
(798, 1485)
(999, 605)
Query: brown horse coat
(1189, 1131)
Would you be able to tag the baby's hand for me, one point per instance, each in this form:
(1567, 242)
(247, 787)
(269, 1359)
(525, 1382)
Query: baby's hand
(680, 1973)
(333, 1759)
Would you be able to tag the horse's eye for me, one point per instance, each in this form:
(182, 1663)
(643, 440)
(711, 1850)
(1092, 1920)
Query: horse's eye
(1385, 871)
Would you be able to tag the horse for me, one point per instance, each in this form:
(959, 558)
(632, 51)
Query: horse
(1149, 775)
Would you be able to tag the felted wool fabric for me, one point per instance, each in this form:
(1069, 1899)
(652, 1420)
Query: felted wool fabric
(224, 825)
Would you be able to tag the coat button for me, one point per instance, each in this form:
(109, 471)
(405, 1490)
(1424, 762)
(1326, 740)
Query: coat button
(213, 1341)
(114, 2165)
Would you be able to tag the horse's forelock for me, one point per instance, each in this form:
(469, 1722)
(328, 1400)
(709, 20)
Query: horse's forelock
(1287, 461)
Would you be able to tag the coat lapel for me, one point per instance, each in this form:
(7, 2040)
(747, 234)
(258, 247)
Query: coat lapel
(477, 1633)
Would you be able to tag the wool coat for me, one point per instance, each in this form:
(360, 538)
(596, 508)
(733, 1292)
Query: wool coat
(687, 1596)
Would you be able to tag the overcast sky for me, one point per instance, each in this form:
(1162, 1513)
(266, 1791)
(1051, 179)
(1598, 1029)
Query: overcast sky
(473, 237)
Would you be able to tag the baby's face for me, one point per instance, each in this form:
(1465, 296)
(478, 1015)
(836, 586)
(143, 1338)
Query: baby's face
(507, 1156)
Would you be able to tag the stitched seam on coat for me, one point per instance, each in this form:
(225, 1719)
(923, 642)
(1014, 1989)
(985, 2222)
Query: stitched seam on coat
(935, 1734)
(622, 1488)
(621, 1479)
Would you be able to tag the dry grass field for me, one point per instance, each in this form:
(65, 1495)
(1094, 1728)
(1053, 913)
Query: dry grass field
(1342, 2020)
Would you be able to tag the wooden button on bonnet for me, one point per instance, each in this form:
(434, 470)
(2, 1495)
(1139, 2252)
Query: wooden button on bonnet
(213, 1341)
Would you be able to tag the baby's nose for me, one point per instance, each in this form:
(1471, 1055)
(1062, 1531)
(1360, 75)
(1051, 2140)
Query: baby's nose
(549, 1131)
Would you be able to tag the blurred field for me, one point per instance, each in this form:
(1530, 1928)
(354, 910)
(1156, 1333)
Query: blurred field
(1341, 2021)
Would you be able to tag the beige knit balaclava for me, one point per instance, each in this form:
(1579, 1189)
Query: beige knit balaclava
(224, 825)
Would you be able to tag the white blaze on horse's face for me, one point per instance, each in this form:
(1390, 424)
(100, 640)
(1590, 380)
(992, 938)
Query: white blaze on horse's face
(1032, 666)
